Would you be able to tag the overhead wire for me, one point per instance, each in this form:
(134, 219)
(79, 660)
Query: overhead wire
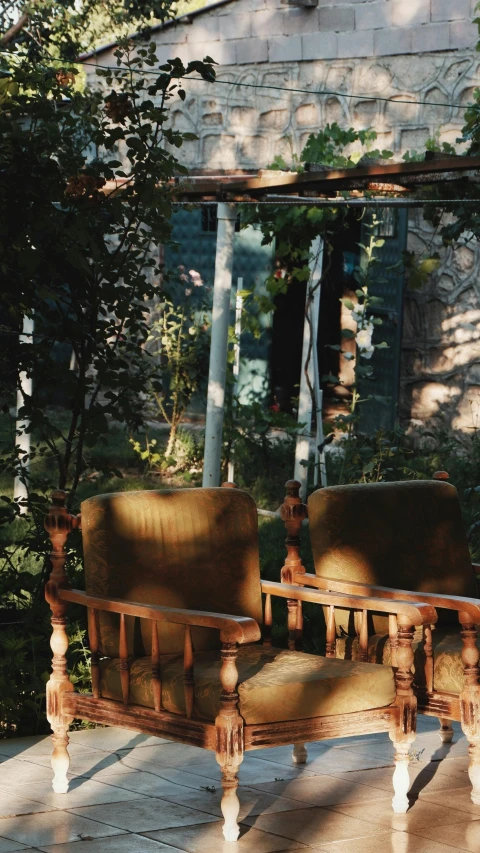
(268, 86)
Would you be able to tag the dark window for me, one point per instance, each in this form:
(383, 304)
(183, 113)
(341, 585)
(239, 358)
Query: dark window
(209, 219)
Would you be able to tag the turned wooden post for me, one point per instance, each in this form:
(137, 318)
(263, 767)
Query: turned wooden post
(429, 662)
(404, 735)
(470, 701)
(292, 512)
(58, 524)
(229, 740)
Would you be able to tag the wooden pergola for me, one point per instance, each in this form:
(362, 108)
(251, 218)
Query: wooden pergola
(367, 185)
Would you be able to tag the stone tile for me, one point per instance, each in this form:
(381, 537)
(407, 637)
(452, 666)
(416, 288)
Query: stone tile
(130, 843)
(25, 748)
(53, 828)
(421, 814)
(81, 792)
(320, 790)
(201, 763)
(144, 814)
(315, 826)
(12, 804)
(209, 839)
(113, 738)
(95, 762)
(423, 775)
(156, 781)
(390, 842)
(342, 760)
(454, 799)
(252, 802)
(461, 836)
(283, 754)
(7, 846)
(15, 772)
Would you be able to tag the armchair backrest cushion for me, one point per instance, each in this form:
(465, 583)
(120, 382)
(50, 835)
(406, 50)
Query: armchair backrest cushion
(189, 548)
(406, 535)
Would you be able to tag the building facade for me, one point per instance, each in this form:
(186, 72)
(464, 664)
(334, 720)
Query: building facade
(284, 72)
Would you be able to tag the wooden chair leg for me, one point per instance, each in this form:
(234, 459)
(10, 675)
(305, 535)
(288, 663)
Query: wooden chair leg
(58, 524)
(404, 734)
(446, 732)
(60, 758)
(299, 754)
(401, 779)
(229, 741)
(470, 701)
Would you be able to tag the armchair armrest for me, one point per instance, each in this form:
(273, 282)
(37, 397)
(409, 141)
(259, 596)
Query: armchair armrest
(418, 614)
(233, 629)
(462, 604)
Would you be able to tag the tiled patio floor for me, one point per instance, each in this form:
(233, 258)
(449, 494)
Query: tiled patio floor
(136, 794)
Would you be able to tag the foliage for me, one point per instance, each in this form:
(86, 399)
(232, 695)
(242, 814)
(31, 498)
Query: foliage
(85, 196)
(261, 444)
(179, 339)
(77, 252)
(361, 314)
(327, 147)
(64, 28)
(295, 228)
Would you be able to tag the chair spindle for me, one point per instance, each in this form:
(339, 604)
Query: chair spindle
(124, 671)
(293, 511)
(94, 649)
(267, 620)
(428, 649)
(331, 642)
(393, 637)
(363, 637)
(156, 675)
(188, 676)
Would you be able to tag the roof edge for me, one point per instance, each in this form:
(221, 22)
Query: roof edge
(182, 19)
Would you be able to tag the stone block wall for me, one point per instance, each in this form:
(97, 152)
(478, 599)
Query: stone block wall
(273, 62)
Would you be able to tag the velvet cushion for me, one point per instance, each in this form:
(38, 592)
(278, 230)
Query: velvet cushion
(189, 548)
(447, 650)
(275, 684)
(406, 535)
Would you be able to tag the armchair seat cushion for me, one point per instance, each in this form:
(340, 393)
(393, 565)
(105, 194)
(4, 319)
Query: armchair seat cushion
(274, 684)
(447, 651)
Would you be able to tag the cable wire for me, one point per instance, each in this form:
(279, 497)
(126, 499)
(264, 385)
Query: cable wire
(372, 97)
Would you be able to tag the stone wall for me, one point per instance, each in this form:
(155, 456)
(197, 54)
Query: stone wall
(400, 50)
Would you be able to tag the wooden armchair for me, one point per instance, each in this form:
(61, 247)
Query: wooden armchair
(174, 602)
(393, 541)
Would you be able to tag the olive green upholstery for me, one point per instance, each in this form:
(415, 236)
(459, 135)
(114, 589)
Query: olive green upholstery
(274, 684)
(406, 535)
(190, 548)
(447, 651)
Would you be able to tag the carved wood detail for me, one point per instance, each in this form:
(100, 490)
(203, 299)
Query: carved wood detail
(267, 621)
(428, 649)
(58, 524)
(188, 674)
(406, 701)
(229, 740)
(293, 511)
(331, 636)
(93, 637)
(156, 674)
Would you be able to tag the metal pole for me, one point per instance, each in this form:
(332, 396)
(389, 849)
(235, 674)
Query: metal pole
(22, 441)
(227, 214)
(312, 305)
(236, 362)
